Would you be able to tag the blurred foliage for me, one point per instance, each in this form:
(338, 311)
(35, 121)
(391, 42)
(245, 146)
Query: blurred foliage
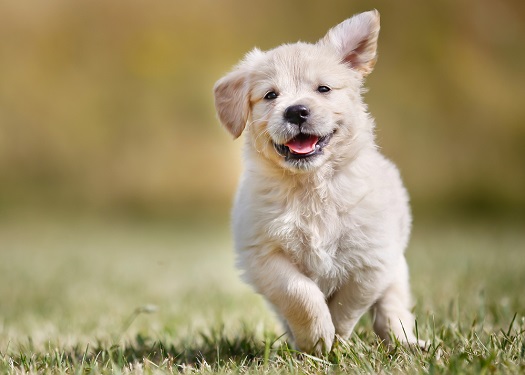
(107, 105)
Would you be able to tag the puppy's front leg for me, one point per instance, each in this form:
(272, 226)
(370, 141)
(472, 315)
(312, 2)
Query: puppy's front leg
(297, 298)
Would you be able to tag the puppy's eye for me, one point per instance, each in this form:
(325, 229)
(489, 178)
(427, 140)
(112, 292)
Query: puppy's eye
(271, 95)
(322, 89)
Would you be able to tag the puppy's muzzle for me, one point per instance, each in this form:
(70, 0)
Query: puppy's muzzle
(305, 143)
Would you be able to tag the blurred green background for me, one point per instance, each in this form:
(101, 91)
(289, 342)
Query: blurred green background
(106, 107)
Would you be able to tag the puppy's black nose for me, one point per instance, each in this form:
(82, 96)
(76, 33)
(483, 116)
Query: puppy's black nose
(296, 114)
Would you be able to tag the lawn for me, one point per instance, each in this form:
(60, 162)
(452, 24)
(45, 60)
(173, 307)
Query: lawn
(91, 296)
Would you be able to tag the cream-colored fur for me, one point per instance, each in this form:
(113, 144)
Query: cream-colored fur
(322, 238)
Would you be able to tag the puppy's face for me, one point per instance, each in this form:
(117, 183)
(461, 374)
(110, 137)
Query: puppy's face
(301, 103)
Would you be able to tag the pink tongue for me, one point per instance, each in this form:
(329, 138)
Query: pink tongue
(302, 144)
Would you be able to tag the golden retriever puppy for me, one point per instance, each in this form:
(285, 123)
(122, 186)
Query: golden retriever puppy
(321, 219)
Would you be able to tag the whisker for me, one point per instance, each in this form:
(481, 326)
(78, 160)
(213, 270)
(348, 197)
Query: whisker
(265, 131)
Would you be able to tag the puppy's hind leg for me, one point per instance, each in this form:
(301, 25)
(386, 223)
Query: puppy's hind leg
(392, 310)
(349, 303)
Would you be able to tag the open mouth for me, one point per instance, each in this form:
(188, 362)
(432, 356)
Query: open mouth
(303, 146)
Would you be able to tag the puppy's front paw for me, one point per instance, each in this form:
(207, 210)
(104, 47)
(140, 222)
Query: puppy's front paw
(317, 338)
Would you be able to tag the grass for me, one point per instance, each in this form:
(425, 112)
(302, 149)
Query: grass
(91, 297)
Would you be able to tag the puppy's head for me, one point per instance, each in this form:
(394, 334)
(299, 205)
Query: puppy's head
(300, 104)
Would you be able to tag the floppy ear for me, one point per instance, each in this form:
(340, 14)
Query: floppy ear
(232, 93)
(356, 40)
(232, 101)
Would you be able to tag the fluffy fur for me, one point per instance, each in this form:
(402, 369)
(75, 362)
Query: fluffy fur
(320, 236)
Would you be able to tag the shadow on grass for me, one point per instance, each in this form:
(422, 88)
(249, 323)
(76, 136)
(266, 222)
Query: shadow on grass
(214, 350)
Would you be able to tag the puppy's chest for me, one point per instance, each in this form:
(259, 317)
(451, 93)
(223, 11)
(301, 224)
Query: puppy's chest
(317, 238)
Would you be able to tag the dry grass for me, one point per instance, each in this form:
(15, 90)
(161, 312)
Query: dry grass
(83, 296)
